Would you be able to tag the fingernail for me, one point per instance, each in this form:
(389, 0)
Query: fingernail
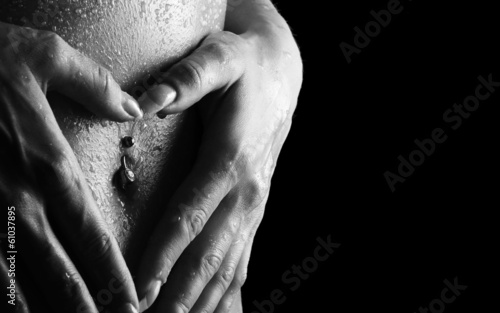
(127, 308)
(131, 106)
(170, 95)
(150, 297)
(156, 98)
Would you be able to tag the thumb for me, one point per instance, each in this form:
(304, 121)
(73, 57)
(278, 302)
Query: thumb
(216, 64)
(74, 75)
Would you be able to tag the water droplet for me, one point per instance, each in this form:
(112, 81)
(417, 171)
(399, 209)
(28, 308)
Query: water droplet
(175, 219)
(143, 9)
(227, 274)
(287, 55)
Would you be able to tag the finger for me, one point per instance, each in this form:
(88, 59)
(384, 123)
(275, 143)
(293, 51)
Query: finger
(87, 236)
(252, 222)
(46, 259)
(200, 261)
(236, 304)
(219, 284)
(216, 64)
(253, 212)
(57, 66)
(186, 215)
(233, 291)
(189, 210)
(71, 208)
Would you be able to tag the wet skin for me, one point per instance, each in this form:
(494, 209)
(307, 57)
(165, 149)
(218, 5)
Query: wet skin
(136, 43)
(254, 71)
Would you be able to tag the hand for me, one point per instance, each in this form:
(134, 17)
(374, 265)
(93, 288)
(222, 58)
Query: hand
(197, 258)
(57, 221)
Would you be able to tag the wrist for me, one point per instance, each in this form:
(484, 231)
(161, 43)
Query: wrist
(263, 27)
(277, 47)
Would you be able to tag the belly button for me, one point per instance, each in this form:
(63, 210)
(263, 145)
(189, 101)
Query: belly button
(128, 141)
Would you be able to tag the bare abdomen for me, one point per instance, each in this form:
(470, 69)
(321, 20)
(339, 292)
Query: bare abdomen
(133, 39)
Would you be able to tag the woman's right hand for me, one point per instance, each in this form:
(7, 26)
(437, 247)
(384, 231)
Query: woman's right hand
(62, 239)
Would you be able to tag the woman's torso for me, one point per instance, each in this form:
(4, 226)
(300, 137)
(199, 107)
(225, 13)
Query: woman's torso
(134, 40)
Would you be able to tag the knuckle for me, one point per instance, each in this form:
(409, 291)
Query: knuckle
(23, 198)
(73, 283)
(240, 278)
(235, 164)
(51, 41)
(97, 248)
(194, 222)
(210, 264)
(231, 47)
(59, 173)
(227, 37)
(190, 72)
(50, 54)
(220, 51)
(226, 275)
(102, 81)
(256, 191)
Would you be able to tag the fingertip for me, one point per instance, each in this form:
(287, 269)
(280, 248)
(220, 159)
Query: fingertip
(157, 98)
(150, 296)
(131, 106)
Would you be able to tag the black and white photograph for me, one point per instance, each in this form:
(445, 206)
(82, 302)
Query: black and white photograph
(257, 156)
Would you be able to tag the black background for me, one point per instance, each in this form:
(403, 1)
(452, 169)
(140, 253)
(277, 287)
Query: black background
(352, 122)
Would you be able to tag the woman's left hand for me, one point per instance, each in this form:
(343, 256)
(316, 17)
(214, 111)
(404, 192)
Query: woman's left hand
(248, 84)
